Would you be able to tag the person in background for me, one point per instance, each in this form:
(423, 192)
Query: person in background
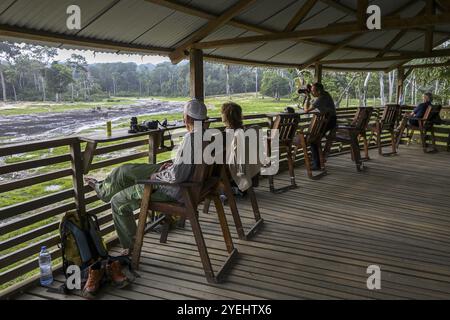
(420, 110)
(324, 104)
(243, 175)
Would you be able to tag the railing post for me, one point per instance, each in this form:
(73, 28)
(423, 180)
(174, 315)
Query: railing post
(77, 176)
(153, 140)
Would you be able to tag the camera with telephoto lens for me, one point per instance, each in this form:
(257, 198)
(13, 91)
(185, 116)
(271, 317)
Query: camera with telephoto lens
(305, 90)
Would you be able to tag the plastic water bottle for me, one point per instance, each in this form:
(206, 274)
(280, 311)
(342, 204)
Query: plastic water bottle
(45, 264)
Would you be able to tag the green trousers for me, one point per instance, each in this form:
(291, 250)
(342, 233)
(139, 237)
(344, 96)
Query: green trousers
(120, 188)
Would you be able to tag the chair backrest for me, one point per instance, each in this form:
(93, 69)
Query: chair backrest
(318, 126)
(362, 118)
(431, 114)
(287, 125)
(390, 116)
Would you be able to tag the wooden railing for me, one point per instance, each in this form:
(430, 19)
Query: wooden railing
(32, 221)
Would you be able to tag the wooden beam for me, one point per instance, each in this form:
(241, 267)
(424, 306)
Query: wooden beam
(389, 23)
(326, 53)
(339, 6)
(399, 64)
(391, 43)
(362, 13)
(418, 55)
(428, 45)
(196, 74)
(428, 65)
(42, 36)
(300, 15)
(211, 26)
(443, 4)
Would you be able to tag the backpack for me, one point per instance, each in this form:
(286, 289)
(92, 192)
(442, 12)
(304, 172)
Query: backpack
(81, 242)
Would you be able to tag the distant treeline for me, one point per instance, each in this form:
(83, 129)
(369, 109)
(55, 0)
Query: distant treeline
(29, 72)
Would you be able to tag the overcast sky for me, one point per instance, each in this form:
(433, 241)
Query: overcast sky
(98, 57)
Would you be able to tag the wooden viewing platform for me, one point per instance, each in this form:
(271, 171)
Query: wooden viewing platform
(319, 239)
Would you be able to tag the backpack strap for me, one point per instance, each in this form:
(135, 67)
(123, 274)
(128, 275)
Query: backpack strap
(81, 240)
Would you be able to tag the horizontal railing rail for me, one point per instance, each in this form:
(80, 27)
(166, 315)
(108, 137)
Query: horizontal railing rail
(31, 207)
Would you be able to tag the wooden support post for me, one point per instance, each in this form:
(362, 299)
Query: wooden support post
(77, 177)
(153, 142)
(318, 73)
(400, 80)
(196, 74)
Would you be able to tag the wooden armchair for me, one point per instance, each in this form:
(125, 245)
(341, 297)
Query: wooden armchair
(350, 134)
(315, 133)
(203, 185)
(425, 124)
(287, 125)
(387, 122)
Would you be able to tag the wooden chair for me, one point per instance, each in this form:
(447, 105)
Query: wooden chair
(315, 133)
(287, 125)
(203, 185)
(425, 124)
(387, 122)
(350, 134)
(225, 185)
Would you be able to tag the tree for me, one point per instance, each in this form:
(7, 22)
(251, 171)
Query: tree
(274, 85)
(59, 76)
(8, 52)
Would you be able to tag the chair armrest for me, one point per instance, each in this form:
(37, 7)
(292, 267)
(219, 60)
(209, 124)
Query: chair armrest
(346, 127)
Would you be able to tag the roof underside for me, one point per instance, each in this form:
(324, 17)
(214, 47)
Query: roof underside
(155, 27)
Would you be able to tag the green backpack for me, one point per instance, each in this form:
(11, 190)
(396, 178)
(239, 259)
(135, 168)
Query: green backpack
(81, 243)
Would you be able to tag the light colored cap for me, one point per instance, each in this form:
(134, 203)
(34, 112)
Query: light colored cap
(195, 109)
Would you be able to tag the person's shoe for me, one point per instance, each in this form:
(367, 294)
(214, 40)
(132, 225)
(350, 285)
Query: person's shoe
(126, 252)
(114, 271)
(93, 282)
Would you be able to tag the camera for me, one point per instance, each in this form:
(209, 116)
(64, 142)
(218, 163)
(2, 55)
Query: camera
(305, 90)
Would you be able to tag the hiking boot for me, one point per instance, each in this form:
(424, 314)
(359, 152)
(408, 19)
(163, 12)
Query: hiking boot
(96, 272)
(114, 270)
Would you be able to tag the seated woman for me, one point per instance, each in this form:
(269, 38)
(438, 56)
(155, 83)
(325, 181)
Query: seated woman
(244, 175)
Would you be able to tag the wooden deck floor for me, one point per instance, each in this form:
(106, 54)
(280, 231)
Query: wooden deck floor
(319, 239)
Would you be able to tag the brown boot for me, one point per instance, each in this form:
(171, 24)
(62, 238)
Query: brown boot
(114, 270)
(95, 276)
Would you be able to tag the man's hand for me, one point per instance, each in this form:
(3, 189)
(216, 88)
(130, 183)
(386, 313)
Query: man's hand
(165, 166)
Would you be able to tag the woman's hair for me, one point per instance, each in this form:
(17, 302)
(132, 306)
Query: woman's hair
(232, 115)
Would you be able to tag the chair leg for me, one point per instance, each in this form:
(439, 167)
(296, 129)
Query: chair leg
(356, 153)
(394, 142)
(366, 147)
(206, 205)
(139, 239)
(411, 134)
(380, 152)
(306, 156)
(165, 230)
(291, 166)
(233, 206)
(433, 139)
(224, 224)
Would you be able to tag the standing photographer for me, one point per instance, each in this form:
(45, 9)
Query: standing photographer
(324, 104)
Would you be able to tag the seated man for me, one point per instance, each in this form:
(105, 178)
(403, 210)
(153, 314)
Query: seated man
(420, 110)
(325, 104)
(120, 187)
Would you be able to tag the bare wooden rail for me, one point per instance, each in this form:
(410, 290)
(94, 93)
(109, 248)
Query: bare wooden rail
(26, 226)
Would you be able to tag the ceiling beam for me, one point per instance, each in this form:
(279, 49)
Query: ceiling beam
(339, 6)
(247, 62)
(389, 23)
(428, 65)
(391, 43)
(50, 37)
(428, 44)
(179, 53)
(300, 15)
(399, 64)
(444, 5)
(418, 55)
(326, 53)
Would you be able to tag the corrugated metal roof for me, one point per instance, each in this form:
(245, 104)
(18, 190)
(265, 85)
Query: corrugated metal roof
(149, 27)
